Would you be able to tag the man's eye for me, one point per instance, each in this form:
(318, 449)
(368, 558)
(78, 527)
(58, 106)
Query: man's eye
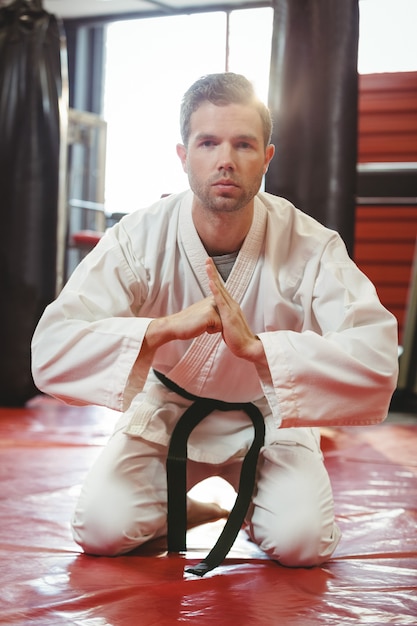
(208, 143)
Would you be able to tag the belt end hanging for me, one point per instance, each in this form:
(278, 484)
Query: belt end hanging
(200, 569)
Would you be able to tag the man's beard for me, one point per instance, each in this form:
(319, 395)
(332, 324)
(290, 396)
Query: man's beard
(224, 203)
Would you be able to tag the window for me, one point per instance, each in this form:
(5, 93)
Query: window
(150, 64)
(387, 37)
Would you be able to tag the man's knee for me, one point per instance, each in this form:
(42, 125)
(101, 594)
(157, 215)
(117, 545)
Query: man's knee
(113, 535)
(292, 516)
(294, 542)
(110, 523)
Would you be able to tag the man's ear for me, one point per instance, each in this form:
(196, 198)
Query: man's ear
(182, 153)
(270, 151)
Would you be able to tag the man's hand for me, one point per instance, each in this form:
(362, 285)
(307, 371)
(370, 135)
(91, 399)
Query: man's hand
(201, 317)
(215, 314)
(235, 329)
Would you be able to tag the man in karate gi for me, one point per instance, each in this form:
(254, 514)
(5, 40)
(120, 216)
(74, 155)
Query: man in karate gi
(232, 294)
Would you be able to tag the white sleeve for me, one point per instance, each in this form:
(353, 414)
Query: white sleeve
(88, 340)
(342, 369)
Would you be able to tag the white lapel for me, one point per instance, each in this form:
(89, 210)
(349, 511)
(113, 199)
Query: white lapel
(194, 367)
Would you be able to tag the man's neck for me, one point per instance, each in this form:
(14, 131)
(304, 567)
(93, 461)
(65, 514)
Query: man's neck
(222, 232)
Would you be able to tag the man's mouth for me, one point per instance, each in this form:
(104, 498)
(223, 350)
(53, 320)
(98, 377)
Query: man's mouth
(225, 183)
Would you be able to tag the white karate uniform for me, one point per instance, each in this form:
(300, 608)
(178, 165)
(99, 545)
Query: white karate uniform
(331, 350)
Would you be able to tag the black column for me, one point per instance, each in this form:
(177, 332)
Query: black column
(30, 84)
(313, 99)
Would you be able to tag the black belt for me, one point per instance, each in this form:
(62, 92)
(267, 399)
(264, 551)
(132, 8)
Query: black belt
(176, 475)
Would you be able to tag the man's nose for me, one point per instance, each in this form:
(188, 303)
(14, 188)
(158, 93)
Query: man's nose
(226, 157)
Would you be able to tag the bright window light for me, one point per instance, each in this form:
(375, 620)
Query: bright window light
(252, 61)
(387, 36)
(150, 64)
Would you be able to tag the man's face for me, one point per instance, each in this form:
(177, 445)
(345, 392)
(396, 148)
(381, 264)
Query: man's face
(225, 158)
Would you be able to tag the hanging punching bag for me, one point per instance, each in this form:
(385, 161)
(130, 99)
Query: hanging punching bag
(30, 83)
(313, 99)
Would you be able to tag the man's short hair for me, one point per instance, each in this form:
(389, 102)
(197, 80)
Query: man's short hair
(221, 90)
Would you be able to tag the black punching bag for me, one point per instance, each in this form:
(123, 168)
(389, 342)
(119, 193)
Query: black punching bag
(313, 99)
(30, 84)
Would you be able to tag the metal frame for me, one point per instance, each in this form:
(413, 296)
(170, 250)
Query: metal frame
(86, 164)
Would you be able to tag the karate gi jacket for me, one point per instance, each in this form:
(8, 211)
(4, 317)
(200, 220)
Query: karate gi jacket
(330, 345)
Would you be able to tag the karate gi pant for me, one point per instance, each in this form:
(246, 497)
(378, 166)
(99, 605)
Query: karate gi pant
(123, 502)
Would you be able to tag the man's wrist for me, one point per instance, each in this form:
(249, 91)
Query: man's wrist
(157, 333)
(256, 352)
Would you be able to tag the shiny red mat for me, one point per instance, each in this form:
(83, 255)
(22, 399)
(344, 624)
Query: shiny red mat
(45, 581)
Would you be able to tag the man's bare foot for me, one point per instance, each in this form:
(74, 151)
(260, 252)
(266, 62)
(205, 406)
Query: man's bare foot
(203, 512)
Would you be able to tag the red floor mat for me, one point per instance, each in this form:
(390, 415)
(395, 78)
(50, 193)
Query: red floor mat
(372, 578)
